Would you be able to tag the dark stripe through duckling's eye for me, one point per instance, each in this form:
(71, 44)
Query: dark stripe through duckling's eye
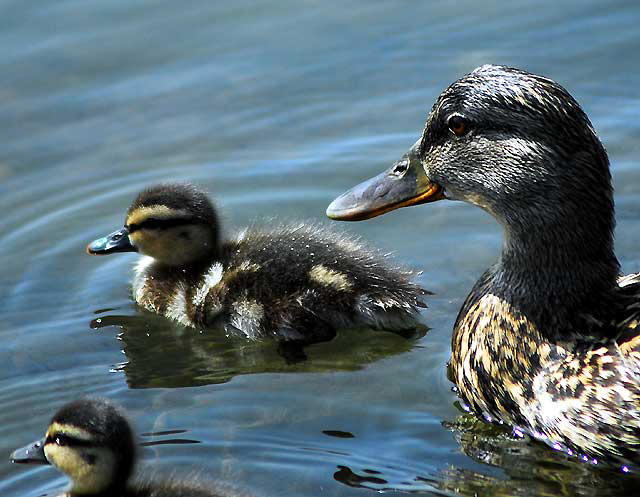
(67, 440)
(152, 223)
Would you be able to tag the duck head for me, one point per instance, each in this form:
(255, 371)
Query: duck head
(520, 147)
(175, 224)
(513, 143)
(91, 441)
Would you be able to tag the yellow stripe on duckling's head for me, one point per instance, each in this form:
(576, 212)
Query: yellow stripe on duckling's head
(160, 212)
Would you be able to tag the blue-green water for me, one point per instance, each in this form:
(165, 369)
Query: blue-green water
(276, 108)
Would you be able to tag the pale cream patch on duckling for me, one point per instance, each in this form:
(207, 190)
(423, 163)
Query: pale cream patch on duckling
(248, 266)
(246, 317)
(91, 469)
(328, 277)
(177, 306)
(140, 277)
(211, 280)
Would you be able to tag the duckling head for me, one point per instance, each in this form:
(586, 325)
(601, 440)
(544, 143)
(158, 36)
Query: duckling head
(175, 224)
(91, 441)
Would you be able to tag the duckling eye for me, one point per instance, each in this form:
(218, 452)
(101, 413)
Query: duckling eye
(66, 440)
(61, 440)
(458, 125)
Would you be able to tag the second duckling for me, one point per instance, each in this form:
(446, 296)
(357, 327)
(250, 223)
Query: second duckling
(91, 441)
(294, 281)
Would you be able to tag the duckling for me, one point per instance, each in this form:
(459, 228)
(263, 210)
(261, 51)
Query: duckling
(91, 441)
(297, 282)
(548, 340)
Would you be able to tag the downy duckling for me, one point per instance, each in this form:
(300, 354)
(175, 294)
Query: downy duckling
(91, 441)
(298, 282)
(548, 340)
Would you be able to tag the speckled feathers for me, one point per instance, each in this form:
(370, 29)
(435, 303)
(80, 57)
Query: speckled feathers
(296, 281)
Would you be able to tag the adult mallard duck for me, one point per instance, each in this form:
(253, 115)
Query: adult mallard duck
(548, 340)
(91, 441)
(298, 282)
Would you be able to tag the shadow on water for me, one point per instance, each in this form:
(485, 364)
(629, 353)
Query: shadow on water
(161, 354)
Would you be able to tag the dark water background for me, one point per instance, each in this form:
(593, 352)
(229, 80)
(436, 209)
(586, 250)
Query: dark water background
(275, 107)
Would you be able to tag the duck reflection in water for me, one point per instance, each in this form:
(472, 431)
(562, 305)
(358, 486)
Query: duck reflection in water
(168, 355)
(547, 473)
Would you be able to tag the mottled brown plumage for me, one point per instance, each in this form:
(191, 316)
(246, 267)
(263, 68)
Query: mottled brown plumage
(579, 394)
(549, 338)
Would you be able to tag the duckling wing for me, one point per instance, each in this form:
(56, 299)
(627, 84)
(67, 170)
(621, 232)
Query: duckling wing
(300, 274)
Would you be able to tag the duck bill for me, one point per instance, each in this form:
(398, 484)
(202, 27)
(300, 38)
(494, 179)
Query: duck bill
(402, 185)
(30, 454)
(118, 241)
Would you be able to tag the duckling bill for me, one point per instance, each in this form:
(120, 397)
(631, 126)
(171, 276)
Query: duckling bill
(548, 340)
(92, 442)
(296, 281)
(118, 241)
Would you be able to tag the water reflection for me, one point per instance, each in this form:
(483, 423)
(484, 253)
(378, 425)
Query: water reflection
(348, 477)
(546, 473)
(162, 354)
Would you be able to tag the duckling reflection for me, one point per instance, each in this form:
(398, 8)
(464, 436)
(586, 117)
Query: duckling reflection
(296, 282)
(162, 354)
(91, 441)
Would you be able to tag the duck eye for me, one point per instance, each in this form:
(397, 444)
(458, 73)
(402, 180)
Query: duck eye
(458, 125)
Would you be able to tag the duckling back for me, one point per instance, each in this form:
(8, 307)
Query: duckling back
(293, 281)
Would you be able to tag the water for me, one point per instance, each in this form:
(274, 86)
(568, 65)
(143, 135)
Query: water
(276, 108)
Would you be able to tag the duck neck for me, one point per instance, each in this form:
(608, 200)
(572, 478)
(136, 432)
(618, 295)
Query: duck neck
(561, 274)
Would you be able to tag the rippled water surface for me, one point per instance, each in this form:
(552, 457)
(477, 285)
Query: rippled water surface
(275, 107)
